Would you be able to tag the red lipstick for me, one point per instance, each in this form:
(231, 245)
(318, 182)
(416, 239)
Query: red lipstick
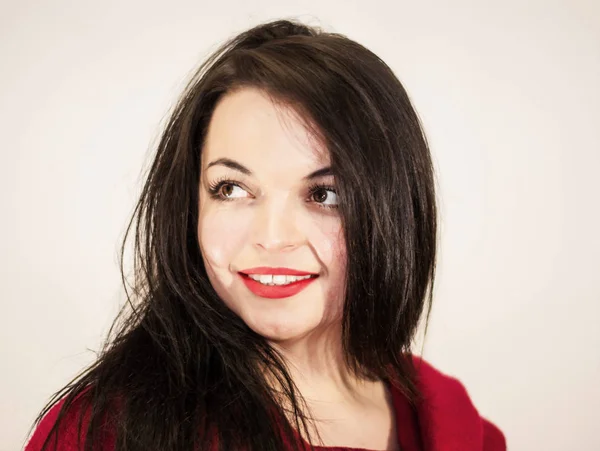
(276, 291)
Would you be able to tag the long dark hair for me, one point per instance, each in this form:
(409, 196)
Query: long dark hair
(179, 367)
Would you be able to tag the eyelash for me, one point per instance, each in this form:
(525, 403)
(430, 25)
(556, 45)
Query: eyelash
(216, 186)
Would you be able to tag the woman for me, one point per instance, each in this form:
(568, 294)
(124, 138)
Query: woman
(285, 253)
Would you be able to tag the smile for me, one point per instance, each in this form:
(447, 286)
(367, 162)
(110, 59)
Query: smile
(276, 286)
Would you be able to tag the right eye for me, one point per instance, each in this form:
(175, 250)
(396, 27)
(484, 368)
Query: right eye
(226, 190)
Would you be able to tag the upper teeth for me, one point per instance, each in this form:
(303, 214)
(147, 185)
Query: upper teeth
(269, 279)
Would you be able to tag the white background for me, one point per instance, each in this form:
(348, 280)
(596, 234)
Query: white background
(509, 95)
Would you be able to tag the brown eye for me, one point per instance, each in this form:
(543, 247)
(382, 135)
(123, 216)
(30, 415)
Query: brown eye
(226, 190)
(320, 195)
(324, 196)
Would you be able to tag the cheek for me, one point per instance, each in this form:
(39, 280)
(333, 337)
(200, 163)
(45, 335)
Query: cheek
(221, 238)
(330, 247)
(327, 238)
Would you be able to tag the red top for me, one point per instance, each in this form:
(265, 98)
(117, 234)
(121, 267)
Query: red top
(444, 420)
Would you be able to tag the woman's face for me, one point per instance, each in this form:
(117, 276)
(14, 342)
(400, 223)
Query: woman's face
(266, 210)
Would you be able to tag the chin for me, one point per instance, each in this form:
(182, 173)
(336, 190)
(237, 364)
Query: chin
(280, 329)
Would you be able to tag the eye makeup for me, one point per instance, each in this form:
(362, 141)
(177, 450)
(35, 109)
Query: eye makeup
(214, 190)
(319, 188)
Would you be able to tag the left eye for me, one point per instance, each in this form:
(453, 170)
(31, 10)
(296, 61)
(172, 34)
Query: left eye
(325, 196)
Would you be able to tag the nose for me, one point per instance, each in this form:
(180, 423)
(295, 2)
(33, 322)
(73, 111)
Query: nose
(275, 226)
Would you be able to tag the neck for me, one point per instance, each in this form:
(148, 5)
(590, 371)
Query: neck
(317, 367)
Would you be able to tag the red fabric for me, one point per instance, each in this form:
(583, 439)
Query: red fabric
(445, 420)
(448, 420)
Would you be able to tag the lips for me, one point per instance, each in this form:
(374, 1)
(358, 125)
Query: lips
(276, 291)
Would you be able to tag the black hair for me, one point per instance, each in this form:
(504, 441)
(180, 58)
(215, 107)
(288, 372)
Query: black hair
(179, 367)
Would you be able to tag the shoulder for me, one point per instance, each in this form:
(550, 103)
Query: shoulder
(448, 416)
(65, 427)
(66, 437)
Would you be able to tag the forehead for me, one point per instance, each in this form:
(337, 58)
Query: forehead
(248, 127)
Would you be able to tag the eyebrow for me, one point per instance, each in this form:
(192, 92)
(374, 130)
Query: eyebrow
(232, 164)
